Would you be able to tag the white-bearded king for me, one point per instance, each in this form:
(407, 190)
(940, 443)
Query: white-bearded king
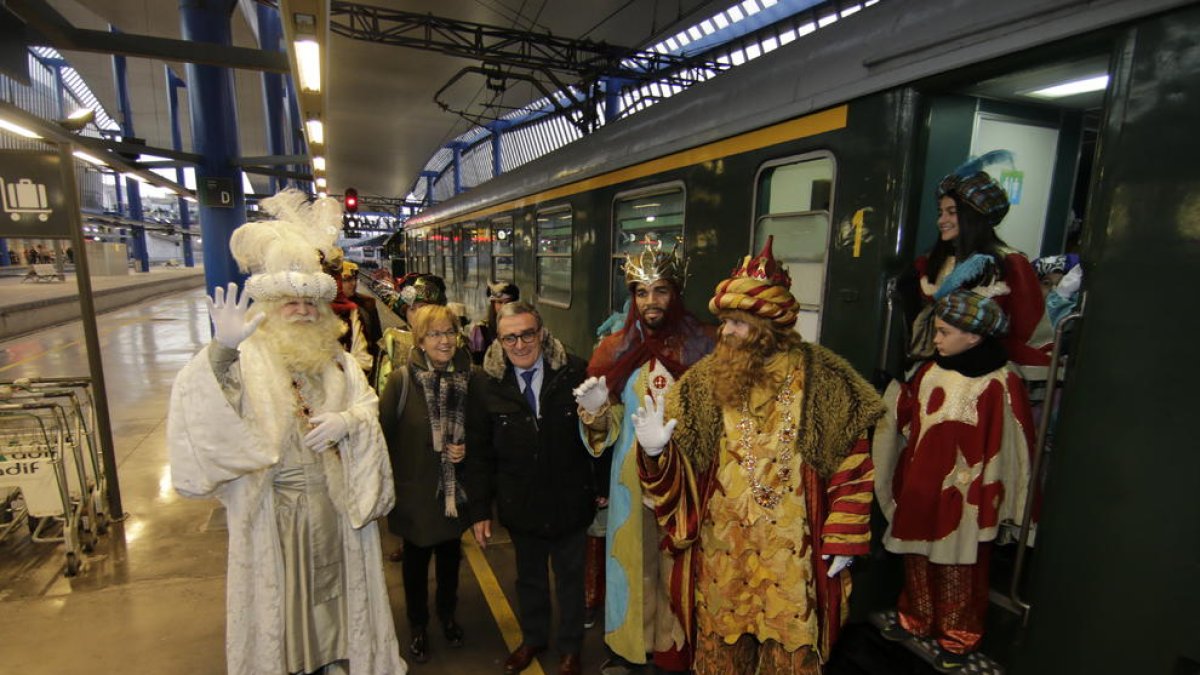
(764, 473)
(277, 421)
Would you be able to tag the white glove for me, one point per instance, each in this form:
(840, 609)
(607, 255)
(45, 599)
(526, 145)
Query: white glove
(592, 394)
(328, 429)
(1070, 283)
(230, 326)
(840, 562)
(652, 434)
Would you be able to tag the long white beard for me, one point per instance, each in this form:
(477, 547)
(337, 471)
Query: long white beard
(304, 346)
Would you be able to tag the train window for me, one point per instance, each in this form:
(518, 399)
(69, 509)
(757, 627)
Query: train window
(792, 202)
(642, 217)
(471, 237)
(555, 228)
(502, 250)
(447, 237)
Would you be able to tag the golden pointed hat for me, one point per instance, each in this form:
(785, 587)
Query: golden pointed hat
(760, 286)
(653, 263)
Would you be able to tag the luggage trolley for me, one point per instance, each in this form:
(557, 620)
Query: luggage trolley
(76, 392)
(34, 461)
(46, 452)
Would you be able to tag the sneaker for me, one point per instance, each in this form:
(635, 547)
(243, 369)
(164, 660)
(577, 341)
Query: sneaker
(895, 633)
(949, 662)
(418, 649)
(453, 633)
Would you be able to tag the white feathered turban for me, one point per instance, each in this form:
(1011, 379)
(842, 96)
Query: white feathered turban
(284, 256)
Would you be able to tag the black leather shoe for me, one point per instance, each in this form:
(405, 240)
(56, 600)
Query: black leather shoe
(453, 633)
(521, 658)
(418, 649)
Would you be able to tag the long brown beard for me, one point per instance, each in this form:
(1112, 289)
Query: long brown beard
(304, 347)
(737, 366)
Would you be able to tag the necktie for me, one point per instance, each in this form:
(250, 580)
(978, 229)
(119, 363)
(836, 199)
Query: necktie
(530, 396)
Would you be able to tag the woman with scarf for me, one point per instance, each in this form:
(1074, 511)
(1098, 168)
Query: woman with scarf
(422, 411)
(970, 255)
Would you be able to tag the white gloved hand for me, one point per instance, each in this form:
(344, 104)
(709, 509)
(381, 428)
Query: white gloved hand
(228, 315)
(1070, 283)
(592, 394)
(328, 429)
(652, 434)
(840, 562)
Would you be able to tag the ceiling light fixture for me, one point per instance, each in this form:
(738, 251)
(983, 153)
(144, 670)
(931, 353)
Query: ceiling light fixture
(89, 159)
(17, 129)
(1082, 86)
(308, 60)
(318, 163)
(321, 182)
(316, 131)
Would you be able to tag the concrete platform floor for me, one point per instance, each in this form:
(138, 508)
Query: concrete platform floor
(150, 599)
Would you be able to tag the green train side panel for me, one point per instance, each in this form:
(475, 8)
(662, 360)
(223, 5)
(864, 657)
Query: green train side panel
(1116, 586)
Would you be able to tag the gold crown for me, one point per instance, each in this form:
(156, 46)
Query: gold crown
(652, 264)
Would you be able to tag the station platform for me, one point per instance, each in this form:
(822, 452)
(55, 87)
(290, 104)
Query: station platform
(27, 305)
(151, 597)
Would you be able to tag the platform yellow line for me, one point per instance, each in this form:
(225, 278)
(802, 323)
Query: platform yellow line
(510, 629)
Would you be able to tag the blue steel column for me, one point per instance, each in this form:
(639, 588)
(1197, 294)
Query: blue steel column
(185, 214)
(141, 251)
(430, 177)
(269, 31)
(497, 128)
(457, 147)
(214, 136)
(612, 97)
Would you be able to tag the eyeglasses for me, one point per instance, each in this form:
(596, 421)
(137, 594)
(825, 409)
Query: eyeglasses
(439, 334)
(527, 338)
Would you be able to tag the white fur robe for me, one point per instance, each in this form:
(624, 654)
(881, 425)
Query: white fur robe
(219, 451)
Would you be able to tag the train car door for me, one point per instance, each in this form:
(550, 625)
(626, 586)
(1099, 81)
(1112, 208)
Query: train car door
(793, 200)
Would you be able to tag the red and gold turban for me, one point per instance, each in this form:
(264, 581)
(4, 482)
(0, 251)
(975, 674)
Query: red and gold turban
(762, 287)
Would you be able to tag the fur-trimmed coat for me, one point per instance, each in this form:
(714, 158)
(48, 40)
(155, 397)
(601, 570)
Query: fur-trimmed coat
(232, 453)
(536, 470)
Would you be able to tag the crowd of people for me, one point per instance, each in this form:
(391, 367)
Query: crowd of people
(699, 490)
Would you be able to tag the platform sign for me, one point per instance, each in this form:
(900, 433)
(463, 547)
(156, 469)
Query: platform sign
(216, 192)
(33, 202)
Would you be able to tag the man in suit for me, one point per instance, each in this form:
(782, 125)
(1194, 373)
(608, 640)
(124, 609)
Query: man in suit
(525, 455)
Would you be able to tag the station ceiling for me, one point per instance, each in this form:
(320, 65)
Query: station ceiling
(383, 123)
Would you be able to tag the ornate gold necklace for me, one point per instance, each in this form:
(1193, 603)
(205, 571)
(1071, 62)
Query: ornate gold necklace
(768, 496)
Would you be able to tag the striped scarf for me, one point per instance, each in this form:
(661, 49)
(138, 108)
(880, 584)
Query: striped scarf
(446, 397)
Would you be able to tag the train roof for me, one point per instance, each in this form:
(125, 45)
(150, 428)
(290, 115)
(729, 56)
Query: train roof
(892, 44)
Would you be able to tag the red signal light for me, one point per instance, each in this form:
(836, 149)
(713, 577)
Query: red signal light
(350, 200)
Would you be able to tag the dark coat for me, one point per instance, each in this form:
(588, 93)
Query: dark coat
(419, 514)
(538, 472)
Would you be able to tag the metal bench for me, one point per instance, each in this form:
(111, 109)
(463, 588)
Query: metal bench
(43, 272)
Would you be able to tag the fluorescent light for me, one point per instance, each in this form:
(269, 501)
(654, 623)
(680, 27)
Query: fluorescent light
(318, 163)
(17, 129)
(308, 60)
(1087, 84)
(322, 194)
(316, 131)
(321, 182)
(89, 159)
(646, 205)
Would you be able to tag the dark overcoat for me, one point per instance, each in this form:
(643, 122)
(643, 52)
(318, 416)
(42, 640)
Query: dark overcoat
(537, 472)
(419, 514)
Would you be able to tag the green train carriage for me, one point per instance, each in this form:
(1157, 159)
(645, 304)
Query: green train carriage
(835, 150)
